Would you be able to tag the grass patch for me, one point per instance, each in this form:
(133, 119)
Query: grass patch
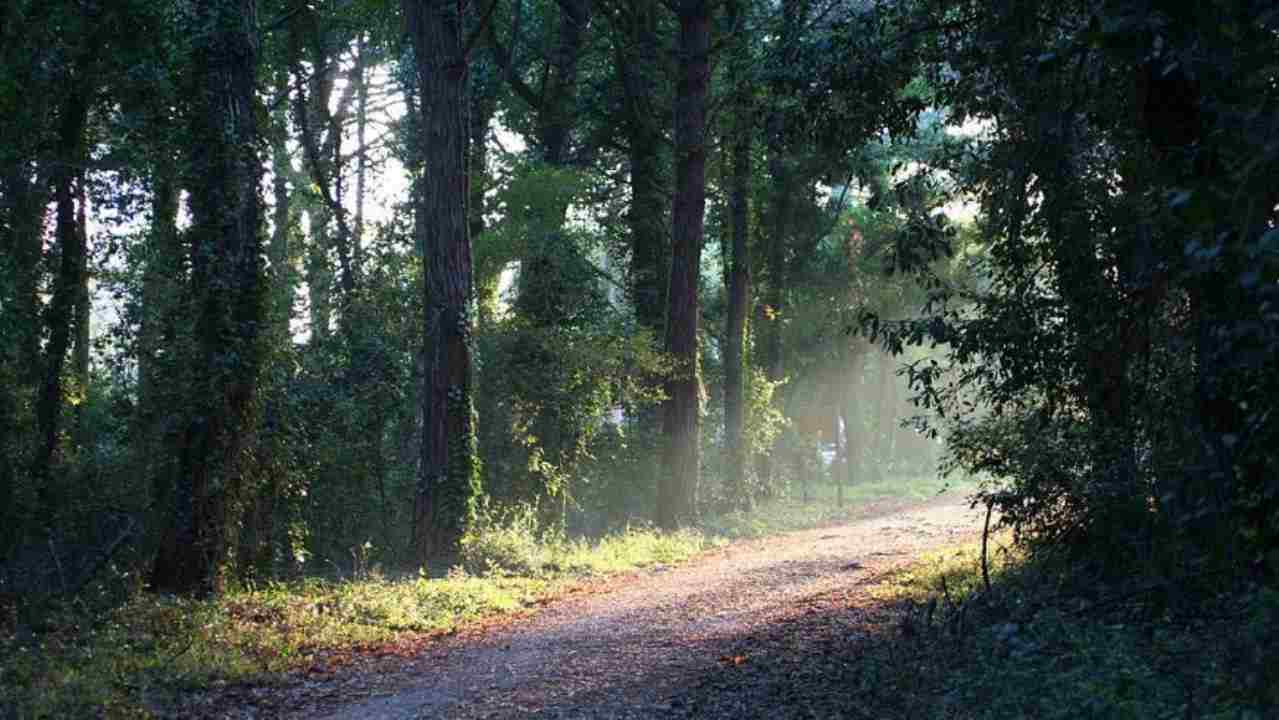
(1041, 644)
(126, 663)
(786, 514)
(130, 661)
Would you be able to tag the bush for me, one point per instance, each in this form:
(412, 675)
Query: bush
(507, 541)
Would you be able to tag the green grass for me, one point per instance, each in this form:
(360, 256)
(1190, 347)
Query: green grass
(786, 514)
(126, 662)
(1038, 645)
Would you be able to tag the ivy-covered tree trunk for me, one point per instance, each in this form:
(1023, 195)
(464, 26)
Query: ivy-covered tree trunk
(739, 276)
(161, 285)
(61, 313)
(779, 218)
(83, 309)
(223, 173)
(677, 493)
(637, 64)
(637, 68)
(448, 484)
(22, 201)
(258, 533)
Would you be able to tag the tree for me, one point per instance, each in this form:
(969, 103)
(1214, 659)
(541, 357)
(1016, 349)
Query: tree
(677, 492)
(741, 141)
(222, 170)
(448, 483)
(639, 70)
(1106, 372)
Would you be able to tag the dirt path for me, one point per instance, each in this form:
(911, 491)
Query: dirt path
(644, 647)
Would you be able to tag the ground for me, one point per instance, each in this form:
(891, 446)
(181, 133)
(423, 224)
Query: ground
(755, 629)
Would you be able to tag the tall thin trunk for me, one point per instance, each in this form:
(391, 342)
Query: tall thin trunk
(160, 280)
(80, 354)
(843, 451)
(850, 416)
(320, 133)
(885, 417)
(361, 145)
(556, 116)
(637, 67)
(82, 311)
(25, 196)
(739, 275)
(319, 276)
(61, 313)
(21, 232)
(677, 494)
(257, 550)
(227, 287)
(448, 484)
(780, 172)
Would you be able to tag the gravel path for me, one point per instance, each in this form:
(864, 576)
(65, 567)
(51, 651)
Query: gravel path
(644, 647)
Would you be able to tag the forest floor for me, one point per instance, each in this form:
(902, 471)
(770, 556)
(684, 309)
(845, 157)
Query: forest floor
(758, 628)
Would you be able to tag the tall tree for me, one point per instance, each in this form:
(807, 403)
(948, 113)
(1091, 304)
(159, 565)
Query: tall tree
(677, 492)
(448, 482)
(783, 187)
(639, 69)
(741, 140)
(223, 172)
(73, 116)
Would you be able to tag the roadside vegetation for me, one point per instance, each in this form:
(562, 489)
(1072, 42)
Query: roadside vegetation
(129, 660)
(1048, 641)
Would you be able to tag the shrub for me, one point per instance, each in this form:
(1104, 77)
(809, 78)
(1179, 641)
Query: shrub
(506, 541)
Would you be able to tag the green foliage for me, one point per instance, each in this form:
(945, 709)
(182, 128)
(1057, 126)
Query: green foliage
(1041, 643)
(1108, 365)
(505, 542)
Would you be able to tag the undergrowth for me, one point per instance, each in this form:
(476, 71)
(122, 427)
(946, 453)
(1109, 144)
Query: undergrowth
(128, 661)
(1046, 642)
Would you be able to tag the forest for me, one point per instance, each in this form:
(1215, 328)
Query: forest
(313, 296)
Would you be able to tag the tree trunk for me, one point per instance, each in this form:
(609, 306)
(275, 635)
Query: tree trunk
(160, 287)
(556, 115)
(885, 418)
(22, 189)
(257, 551)
(780, 172)
(852, 418)
(61, 313)
(25, 194)
(843, 452)
(739, 275)
(319, 276)
(361, 81)
(676, 499)
(228, 294)
(448, 484)
(80, 355)
(320, 133)
(82, 302)
(637, 64)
